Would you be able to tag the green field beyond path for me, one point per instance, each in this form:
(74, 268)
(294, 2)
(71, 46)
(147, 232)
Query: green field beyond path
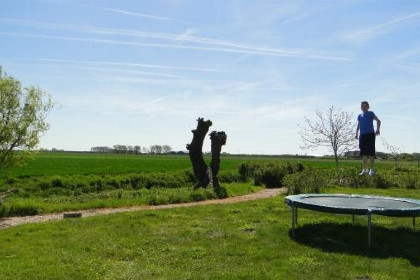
(90, 163)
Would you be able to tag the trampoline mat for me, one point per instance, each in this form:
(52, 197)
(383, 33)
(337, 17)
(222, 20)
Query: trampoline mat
(356, 204)
(359, 202)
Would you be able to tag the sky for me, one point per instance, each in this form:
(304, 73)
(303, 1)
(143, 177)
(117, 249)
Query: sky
(141, 72)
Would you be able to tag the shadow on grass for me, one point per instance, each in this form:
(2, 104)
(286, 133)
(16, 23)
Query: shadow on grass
(352, 239)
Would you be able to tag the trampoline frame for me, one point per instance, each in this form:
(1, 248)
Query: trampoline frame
(296, 201)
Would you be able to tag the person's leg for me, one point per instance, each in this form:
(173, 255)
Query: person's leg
(372, 156)
(362, 146)
(364, 165)
(372, 160)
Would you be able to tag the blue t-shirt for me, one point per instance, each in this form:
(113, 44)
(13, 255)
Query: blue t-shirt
(366, 122)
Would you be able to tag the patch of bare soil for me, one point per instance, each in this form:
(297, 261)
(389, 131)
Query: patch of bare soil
(14, 221)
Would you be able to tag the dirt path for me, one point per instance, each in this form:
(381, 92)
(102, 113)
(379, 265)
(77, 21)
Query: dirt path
(14, 221)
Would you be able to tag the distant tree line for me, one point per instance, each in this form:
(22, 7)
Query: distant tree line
(388, 156)
(133, 150)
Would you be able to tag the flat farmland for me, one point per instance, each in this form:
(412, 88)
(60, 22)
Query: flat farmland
(67, 163)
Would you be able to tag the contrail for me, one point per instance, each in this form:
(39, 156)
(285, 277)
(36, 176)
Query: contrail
(137, 14)
(120, 64)
(248, 50)
(374, 28)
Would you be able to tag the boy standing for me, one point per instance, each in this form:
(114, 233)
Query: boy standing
(367, 136)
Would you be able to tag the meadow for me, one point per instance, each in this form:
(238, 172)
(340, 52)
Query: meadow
(249, 240)
(65, 163)
(49, 163)
(57, 182)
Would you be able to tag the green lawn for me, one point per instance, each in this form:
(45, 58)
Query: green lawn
(238, 241)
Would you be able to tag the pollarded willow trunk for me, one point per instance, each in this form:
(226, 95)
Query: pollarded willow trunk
(218, 139)
(196, 152)
(206, 176)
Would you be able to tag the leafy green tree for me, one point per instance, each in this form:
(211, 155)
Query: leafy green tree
(22, 119)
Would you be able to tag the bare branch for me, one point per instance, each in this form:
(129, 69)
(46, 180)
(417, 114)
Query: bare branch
(334, 131)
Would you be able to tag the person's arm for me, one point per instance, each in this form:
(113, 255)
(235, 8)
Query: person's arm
(357, 130)
(378, 125)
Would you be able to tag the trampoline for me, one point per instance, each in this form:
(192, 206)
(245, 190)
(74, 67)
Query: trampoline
(354, 205)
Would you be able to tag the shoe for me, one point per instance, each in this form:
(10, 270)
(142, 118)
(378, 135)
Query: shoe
(371, 172)
(364, 171)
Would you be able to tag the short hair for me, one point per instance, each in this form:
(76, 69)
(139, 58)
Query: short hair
(366, 103)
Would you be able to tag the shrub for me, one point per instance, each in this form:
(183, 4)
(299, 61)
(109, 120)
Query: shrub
(56, 192)
(247, 170)
(222, 193)
(57, 182)
(270, 174)
(22, 210)
(157, 199)
(229, 176)
(409, 181)
(308, 181)
(44, 185)
(350, 177)
(3, 211)
(201, 194)
(381, 181)
(78, 185)
(113, 183)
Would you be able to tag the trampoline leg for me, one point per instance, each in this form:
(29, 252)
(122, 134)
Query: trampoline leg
(414, 223)
(293, 220)
(369, 229)
(353, 218)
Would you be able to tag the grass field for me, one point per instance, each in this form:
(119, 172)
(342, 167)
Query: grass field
(88, 163)
(238, 241)
(55, 182)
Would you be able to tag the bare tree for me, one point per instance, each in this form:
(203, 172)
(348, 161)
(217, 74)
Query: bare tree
(336, 131)
(156, 149)
(394, 152)
(166, 149)
(120, 149)
(137, 149)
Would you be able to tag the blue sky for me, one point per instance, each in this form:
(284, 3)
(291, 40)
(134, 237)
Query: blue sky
(141, 72)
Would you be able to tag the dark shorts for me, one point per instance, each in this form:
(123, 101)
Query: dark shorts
(367, 144)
